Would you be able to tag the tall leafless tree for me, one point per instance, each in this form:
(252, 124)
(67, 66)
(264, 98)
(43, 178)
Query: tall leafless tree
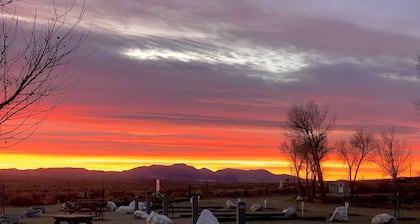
(33, 65)
(354, 152)
(394, 158)
(311, 123)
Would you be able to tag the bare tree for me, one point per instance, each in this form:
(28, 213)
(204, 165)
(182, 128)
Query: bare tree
(311, 123)
(360, 145)
(393, 157)
(33, 67)
(296, 154)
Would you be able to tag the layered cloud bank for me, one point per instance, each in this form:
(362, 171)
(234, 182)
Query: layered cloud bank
(211, 81)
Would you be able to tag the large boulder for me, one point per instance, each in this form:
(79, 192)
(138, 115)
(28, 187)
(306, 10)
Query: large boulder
(155, 218)
(206, 217)
(383, 218)
(256, 207)
(289, 212)
(340, 214)
(230, 204)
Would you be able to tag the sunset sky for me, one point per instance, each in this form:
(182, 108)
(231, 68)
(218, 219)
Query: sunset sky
(208, 83)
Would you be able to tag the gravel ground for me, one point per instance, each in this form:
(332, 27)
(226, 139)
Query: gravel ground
(274, 204)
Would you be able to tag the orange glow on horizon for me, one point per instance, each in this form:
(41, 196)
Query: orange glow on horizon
(333, 170)
(74, 139)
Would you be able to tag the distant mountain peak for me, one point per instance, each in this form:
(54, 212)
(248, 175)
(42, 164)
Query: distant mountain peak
(179, 172)
(185, 173)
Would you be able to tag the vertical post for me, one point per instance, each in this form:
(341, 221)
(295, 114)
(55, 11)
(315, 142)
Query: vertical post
(303, 207)
(165, 205)
(136, 203)
(103, 188)
(2, 198)
(194, 209)
(157, 186)
(346, 205)
(240, 212)
(299, 200)
(397, 206)
(148, 203)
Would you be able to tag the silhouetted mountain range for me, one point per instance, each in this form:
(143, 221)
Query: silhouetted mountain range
(172, 173)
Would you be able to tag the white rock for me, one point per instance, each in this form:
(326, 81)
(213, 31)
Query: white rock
(230, 204)
(206, 217)
(256, 207)
(289, 212)
(383, 218)
(340, 214)
(141, 214)
(125, 209)
(155, 218)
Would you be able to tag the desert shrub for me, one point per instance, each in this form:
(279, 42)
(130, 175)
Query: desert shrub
(97, 193)
(364, 188)
(384, 187)
(373, 201)
(335, 199)
(24, 199)
(118, 195)
(63, 197)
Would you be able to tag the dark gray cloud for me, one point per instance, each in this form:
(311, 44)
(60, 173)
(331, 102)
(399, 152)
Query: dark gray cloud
(227, 62)
(197, 119)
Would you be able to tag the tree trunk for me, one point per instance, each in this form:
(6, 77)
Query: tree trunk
(350, 185)
(396, 199)
(321, 181)
(308, 187)
(313, 185)
(299, 183)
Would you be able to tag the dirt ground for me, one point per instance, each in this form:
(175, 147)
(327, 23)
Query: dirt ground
(274, 204)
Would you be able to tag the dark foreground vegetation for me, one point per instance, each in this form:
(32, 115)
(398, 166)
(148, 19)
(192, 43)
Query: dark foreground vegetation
(380, 193)
(25, 192)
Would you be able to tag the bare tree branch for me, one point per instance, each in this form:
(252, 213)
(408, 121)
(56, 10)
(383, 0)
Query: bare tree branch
(3, 3)
(33, 69)
(394, 154)
(297, 154)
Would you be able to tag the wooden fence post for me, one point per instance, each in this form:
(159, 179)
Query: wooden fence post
(194, 209)
(148, 199)
(240, 212)
(165, 205)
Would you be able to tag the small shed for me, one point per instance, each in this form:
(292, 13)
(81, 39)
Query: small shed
(338, 187)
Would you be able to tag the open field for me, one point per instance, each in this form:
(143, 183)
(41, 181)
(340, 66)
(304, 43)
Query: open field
(274, 204)
(373, 197)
